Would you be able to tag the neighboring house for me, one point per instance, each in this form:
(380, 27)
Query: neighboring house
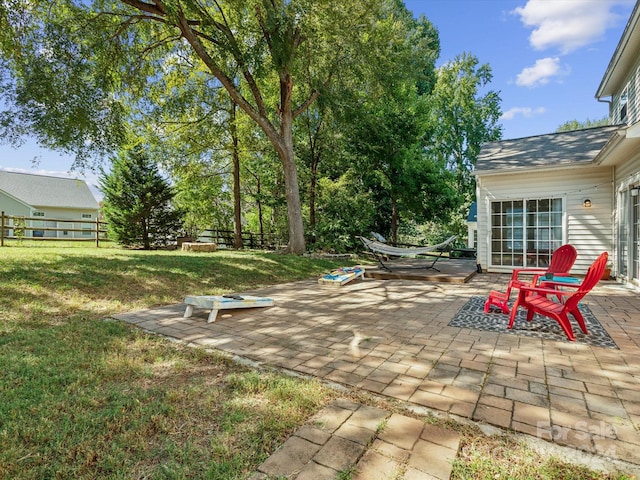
(579, 187)
(52, 199)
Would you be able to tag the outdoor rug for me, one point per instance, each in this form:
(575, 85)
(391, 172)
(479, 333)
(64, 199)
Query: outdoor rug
(472, 315)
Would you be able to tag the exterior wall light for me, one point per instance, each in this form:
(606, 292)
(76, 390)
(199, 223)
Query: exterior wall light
(586, 203)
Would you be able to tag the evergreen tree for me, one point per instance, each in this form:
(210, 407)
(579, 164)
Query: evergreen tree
(138, 202)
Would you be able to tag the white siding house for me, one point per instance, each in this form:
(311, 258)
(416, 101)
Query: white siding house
(621, 85)
(537, 193)
(52, 199)
(580, 187)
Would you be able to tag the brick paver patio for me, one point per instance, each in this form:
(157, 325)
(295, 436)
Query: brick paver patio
(391, 337)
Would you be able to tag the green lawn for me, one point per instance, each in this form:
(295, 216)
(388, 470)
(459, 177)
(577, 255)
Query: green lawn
(84, 398)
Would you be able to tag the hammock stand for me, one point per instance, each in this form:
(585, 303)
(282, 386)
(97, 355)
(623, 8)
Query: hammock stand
(381, 250)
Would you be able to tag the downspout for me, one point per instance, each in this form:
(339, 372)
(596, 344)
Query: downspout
(614, 221)
(481, 253)
(614, 213)
(610, 101)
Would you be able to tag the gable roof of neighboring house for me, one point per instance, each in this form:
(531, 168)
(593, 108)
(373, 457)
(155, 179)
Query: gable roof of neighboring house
(554, 150)
(45, 191)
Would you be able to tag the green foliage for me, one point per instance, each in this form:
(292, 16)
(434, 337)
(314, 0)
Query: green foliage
(428, 233)
(73, 69)
(19, 224)
(57, 78)
(263, 186)
(138, 202)
(347, 84)
(462, 117)
(345, 211)
(576, 125)
(202, 197)
(384, 121)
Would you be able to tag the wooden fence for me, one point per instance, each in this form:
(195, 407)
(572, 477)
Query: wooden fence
(44, 228)
(224, 239)
(15, 227)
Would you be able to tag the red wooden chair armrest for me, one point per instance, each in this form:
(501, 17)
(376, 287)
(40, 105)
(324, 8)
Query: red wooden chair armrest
(526, 271)
(531, 270)
(551, 283)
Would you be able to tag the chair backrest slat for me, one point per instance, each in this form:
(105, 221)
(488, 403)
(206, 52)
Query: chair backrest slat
(563, 259)
(593, 276)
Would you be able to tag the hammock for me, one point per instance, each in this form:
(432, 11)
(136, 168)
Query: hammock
(380, 250)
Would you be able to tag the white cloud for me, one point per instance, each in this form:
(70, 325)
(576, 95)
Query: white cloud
(568, 24)
(541, 73)
(526, 112)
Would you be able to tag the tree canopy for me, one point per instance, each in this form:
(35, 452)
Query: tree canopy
(332, 90)
(588, 123)
(463, 116)
(273, 57)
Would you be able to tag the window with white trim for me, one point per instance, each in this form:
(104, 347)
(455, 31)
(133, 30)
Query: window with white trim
(525, 232)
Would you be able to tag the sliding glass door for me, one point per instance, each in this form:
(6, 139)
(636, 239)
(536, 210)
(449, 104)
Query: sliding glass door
(525, 232)
(635, 241)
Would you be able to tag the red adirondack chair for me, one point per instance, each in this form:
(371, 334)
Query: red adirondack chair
(562, 259)
(537, 299)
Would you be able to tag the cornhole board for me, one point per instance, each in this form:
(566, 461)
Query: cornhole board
(343, 275)
(219, 302)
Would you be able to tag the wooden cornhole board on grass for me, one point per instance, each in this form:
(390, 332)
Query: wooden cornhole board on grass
(340, 276)
(221, 302)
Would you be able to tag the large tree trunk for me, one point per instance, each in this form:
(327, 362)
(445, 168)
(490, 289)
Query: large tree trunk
(281, 138)
(292, 193)
(296, 228)
(314, 157)
(285, 151)
(237, 212)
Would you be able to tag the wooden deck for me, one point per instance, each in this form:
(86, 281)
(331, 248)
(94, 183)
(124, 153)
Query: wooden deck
(452, 270)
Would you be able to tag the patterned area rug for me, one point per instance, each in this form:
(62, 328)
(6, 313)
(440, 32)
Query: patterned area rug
(472, 315)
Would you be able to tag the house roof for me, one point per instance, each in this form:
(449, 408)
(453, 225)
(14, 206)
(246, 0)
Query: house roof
(554, 150)
(624, 57)
(44, 191)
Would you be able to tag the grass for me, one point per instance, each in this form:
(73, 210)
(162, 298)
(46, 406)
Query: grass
(85, 398)
(505, 457)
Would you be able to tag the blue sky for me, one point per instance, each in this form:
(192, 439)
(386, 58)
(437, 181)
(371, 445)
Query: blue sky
(547, 56)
